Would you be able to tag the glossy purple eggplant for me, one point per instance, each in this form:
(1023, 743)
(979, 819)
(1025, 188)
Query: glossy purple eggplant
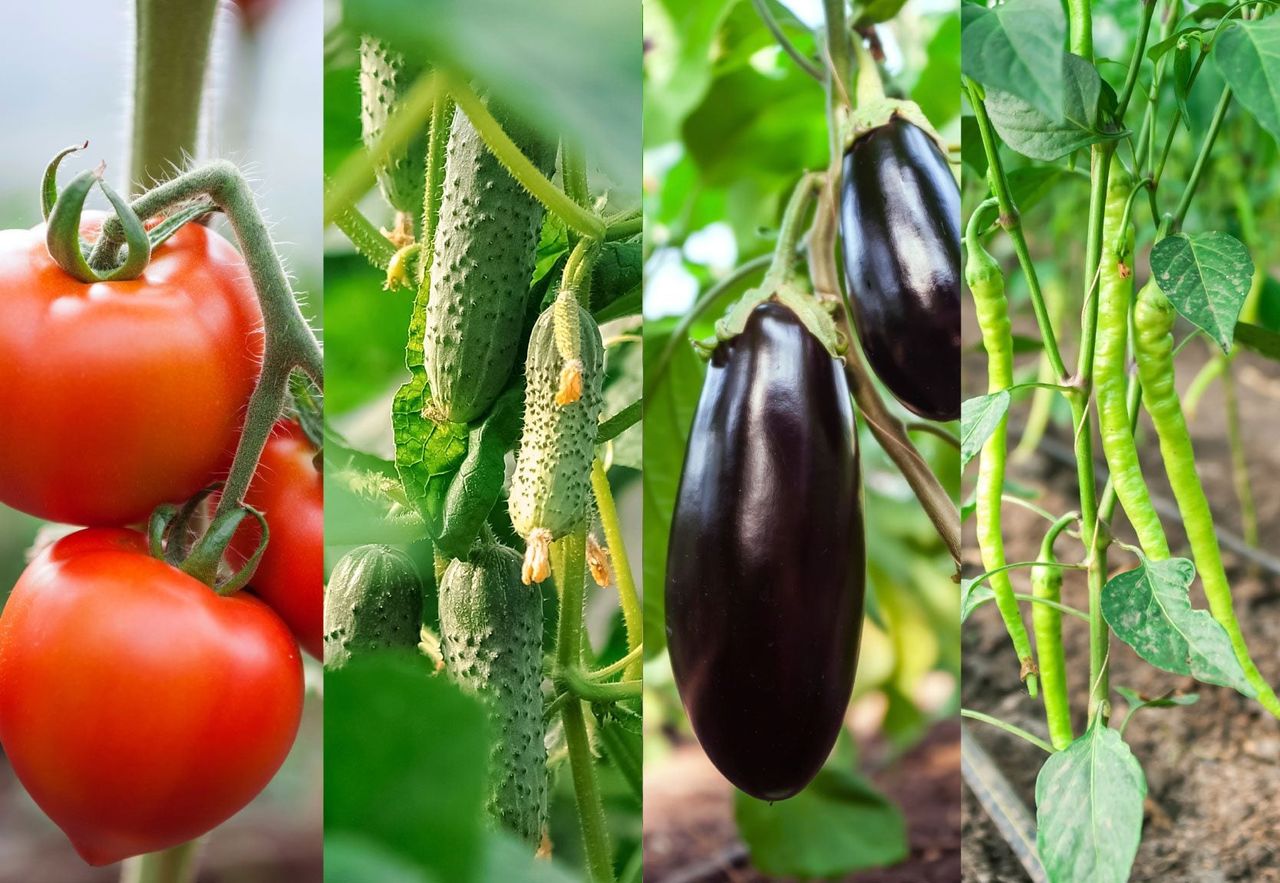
(900, 229)
(766, 563)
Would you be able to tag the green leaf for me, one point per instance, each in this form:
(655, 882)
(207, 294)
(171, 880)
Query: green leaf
(1028, 185)
(972, 153)
(426, 452)
(1206, 277)
(934, 90)
(875, 11)
(1078, 123)
(678, 64)
(1089, 809)
(669, 406)
(1247, 54)
(508, 858)
(979, 417)
(413, 784)
(1016, 48)
(973, 594)
(476, 486)
(1150, 610)
(587, 89)
(350, 858)
(623, 389)
(1261, 340)
(836, 826)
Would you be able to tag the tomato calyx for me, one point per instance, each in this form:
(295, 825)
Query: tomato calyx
(203, 559)
(63, 211)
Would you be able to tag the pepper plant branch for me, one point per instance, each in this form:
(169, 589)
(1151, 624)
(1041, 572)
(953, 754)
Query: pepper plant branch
(771, 22)
(1135, 61)
(888, 430)
(171, 55)
(556, 201)
(1202, 160)
(571, 558)
(628, 597)
(1008, 728)
(1011, 221)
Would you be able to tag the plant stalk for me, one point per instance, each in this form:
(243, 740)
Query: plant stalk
(628, 597)
(171, 55)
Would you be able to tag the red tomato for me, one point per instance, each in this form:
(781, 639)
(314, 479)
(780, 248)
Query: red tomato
(289, 491)
(117, 396)
(139, 708)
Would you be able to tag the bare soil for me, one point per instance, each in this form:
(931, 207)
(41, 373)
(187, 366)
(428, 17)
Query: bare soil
(690, 835)
(1213, 769)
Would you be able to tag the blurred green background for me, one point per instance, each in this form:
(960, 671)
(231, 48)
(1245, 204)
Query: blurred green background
(261, 110)
(731, 123)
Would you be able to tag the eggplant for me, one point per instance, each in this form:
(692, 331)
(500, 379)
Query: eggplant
(766, 564)
(900, 228)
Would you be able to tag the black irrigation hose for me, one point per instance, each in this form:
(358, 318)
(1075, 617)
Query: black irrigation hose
(1064, 455)
(1009, 814)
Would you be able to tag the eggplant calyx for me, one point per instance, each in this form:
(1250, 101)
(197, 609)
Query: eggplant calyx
(869, 117)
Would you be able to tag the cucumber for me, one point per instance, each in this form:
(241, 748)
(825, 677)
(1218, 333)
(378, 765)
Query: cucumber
(384, 78)
(373, 602)
(485, 247)
(491, 640)
(552, 479)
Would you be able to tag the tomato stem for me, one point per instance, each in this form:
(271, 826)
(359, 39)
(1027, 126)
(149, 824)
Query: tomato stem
(174, 865)
(172, 52)
(289, 342)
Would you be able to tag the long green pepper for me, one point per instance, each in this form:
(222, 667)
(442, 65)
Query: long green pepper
(986, 283)
(1153, 345)
(1046, 621)
(1115, 291)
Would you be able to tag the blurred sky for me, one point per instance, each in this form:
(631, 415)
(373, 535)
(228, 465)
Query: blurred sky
(67, 67)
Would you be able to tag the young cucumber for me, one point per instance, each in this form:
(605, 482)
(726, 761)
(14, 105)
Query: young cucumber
(552, 479)
(384, 78)
(485, 247)
(373, 602)
(491, 640)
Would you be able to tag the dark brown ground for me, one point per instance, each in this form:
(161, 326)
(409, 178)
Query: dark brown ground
(690, 834)
(1213, 770)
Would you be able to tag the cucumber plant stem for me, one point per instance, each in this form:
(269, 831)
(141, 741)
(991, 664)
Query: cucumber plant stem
(628, 597)
(171, 55)
(569, 579)
(556, 201)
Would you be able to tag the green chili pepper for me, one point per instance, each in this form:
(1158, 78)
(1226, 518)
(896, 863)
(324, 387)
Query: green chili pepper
(986, 283)
(1046, 583)
(1115, 290)
(1153, 345)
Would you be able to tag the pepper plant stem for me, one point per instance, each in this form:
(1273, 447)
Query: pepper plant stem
(172, 53)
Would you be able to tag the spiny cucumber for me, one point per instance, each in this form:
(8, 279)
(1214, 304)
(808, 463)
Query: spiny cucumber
(385, 77)
(373, 602)
(485, 247)
(552, 479)
(491, 640)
